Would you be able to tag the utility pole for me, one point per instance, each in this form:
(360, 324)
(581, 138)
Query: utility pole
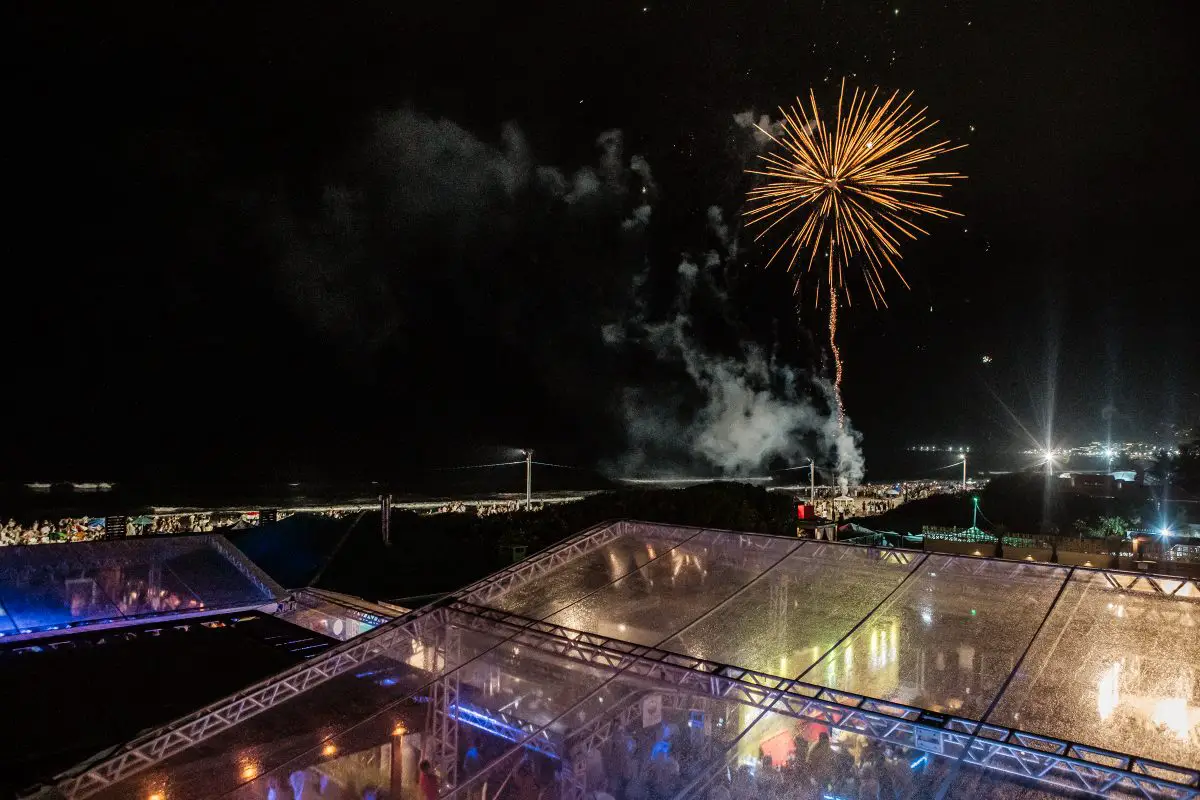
(385, 517)
(812, 484)
(964, 478)
(528, 479)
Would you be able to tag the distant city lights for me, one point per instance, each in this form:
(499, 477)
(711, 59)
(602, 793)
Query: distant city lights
(1109, 451)
(937, 448)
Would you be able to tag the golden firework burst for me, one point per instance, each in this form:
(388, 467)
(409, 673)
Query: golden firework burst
(851, 192)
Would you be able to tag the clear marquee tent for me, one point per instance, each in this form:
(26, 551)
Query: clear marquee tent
(706, 664)
(61, 587)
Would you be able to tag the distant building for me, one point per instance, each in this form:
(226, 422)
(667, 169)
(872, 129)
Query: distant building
(1098, 484)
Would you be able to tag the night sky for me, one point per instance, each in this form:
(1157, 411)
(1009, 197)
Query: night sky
(285, 238)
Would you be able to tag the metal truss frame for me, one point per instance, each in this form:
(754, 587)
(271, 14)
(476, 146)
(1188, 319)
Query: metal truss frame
(840, 551)
(442, 729)
(1170, 586)
(164, 742)
(261, 580)
(161, 743)
(314, 598)
(483, 591)
(506, 726)
(997, 567)
(1057, 762)
(537, 565)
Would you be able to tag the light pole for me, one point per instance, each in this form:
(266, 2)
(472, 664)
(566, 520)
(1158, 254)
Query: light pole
(974, 512)
(964, 477)
(528, 479)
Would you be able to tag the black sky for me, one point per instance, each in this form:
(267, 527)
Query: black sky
(169, 156)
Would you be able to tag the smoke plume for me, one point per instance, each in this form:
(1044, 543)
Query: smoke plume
(437, 235)
(756, 124)
(429, 183)
(716, 223)
(748, 409)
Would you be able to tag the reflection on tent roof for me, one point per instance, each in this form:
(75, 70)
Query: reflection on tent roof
(45, 588)
(1013, 676)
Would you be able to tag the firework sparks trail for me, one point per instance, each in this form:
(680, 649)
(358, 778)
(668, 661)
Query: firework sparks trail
(837, 356)
(853, 190)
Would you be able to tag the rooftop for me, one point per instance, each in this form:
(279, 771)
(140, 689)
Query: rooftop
(723, 653)
(47, 589)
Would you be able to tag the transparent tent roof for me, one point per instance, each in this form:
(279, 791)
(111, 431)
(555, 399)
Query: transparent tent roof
(52, 587)
(675, 662)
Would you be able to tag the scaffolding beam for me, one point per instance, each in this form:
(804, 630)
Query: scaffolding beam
(442, 740)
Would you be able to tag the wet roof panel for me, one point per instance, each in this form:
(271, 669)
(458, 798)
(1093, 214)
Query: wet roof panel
(674, 589)
(797, 611)
(949, 637)
(590, 572)
(1122, 667)
(49, 587)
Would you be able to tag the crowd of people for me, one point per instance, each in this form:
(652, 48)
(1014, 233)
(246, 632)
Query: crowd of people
(870, 499)
(669, 761)
(485, 509)
(855, 768)
(84, 529)
(70, 529)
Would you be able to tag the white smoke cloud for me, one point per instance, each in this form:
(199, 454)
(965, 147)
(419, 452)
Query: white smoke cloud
(757, 124)
(612, 164)
(752, 409)
(551, 181)
(427, 174)
(584, 184)
(640, 218)
(439, 168)
(720, 229)
(639, 166)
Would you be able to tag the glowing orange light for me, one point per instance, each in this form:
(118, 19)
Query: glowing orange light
(329, 750)
(399, 730)
(249, 772)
